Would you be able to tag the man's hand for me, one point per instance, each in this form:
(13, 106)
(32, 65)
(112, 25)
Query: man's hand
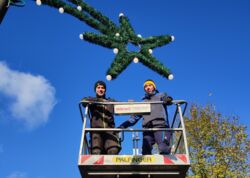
(168, 100)
(87, 100)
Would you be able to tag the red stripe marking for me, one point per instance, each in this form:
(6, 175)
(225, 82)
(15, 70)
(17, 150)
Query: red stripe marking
(182, 157)
(167, 160)
(84, 158)
(100, 160)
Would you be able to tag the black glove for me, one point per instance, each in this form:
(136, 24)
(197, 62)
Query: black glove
(87, 100)
(168, 100)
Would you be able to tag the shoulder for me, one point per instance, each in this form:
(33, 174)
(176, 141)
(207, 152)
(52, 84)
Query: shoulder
(161, 95)
(88, 98)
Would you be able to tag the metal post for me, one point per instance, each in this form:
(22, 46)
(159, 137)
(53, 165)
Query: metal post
(133, 139)
(136, 141)
(3, 9)
(83, 129)
(184, 131)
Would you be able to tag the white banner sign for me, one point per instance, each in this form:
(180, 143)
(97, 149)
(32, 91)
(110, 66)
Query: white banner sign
(132, 108)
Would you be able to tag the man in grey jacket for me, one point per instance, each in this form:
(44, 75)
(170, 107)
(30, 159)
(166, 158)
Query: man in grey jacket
(156, 119)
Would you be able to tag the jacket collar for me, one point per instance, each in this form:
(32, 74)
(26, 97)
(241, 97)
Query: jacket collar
(101, 97)
(149, 95)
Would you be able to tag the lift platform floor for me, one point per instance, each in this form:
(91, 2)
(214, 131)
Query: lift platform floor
(140, 166)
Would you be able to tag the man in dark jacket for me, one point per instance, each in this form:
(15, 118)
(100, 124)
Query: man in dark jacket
(156, 119)
(102, 117)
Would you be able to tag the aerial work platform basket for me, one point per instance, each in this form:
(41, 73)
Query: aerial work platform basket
(174, 165)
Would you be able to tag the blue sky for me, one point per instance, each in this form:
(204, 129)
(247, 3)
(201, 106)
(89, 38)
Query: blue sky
(45, 70)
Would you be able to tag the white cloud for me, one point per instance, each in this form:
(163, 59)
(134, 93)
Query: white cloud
(17, 174)
(32, 97)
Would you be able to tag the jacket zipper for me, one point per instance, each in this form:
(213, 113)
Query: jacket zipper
(103, 116)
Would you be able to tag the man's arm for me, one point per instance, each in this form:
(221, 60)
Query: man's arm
(130, 122)
(87, 100)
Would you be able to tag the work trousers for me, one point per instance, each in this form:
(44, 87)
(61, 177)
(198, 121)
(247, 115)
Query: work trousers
(162, 138)
(105, 143)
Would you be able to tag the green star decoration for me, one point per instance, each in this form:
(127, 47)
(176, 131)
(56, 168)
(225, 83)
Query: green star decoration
(115, 37)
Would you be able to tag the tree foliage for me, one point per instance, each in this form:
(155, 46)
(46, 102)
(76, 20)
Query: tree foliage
(219, 145)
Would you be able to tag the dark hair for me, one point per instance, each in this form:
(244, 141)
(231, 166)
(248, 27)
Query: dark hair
(100, 82)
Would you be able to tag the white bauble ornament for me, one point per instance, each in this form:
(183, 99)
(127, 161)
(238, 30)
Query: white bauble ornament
(150, 51)
(79, 8)
(139, 35)
(61, 10)
(38, 2)
(170, 77)
(136, 60)
(81, 36)
(109, 77)
(117, 34)
(115, 50)
(172, 38)
(121, 14)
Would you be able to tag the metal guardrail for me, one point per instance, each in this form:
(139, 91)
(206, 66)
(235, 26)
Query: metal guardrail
(178, 111)
(150, 102)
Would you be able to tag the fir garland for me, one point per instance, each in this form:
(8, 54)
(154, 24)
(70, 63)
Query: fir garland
(5, 4)
(115, 37)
